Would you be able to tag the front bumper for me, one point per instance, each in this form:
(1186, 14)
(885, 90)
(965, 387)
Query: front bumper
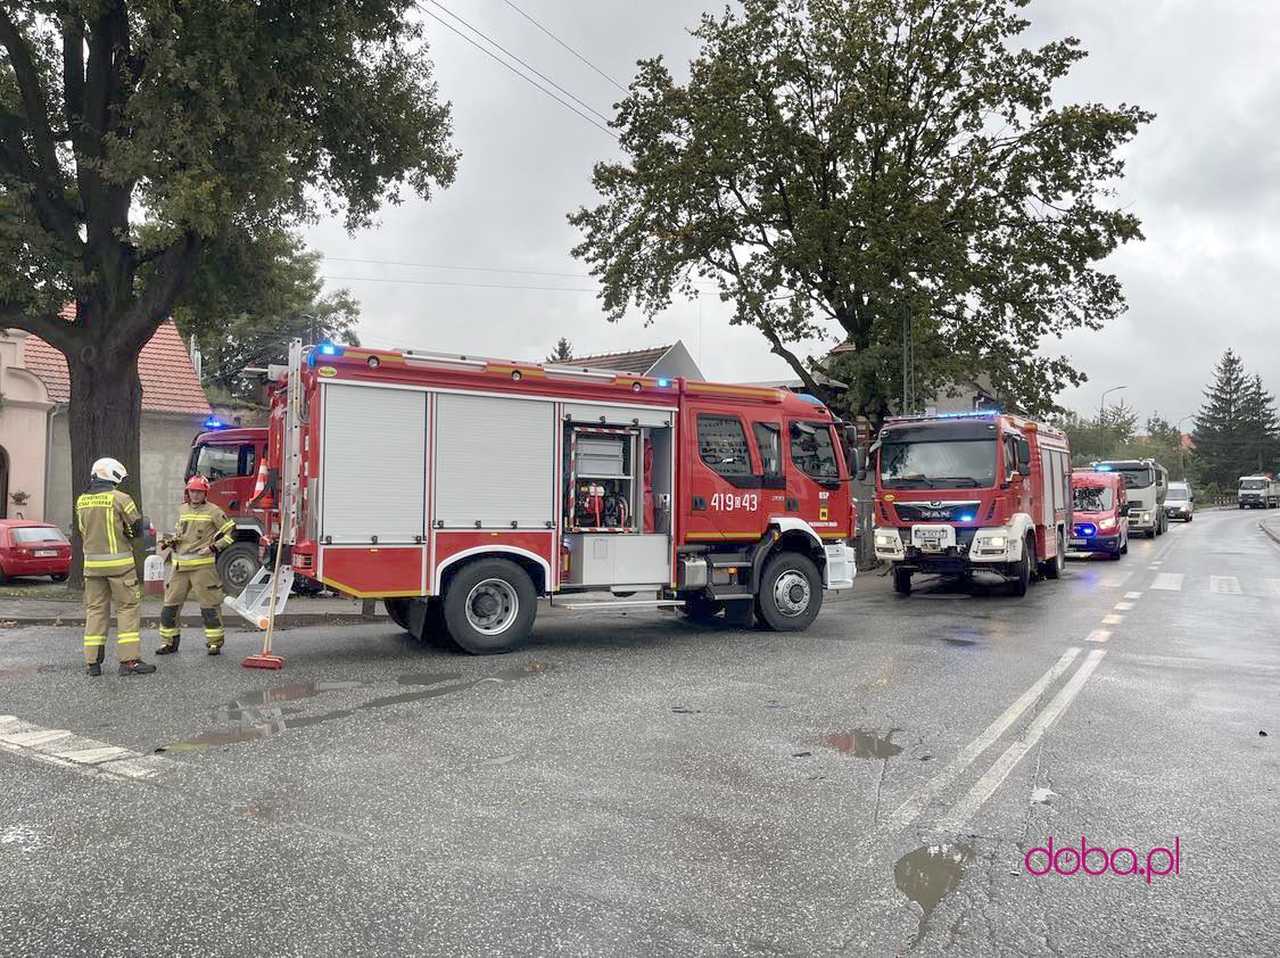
(25, 567)
(1142, 521)
(1177, 512)
(1093, 544)
(842, 566)
(985, 547)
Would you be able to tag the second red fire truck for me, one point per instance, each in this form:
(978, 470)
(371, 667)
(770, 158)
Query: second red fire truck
(963, 493)
(461, 489)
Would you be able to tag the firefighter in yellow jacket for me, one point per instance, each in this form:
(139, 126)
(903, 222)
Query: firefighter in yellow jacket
(202, 529)
(108, 521)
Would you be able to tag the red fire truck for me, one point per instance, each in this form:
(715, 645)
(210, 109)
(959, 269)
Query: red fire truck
(229, 459)
(972, 492)
(459, 489)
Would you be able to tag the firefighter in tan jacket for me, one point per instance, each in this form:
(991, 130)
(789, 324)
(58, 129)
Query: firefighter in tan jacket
(202, 529)
(109, 521)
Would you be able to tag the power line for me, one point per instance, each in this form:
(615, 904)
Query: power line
(567, 105)
(565, 45)
(524, 63)
(428, 282)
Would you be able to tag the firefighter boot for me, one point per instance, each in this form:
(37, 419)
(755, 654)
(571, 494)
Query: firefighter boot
(136, 667)
(169, 630)
(213, 631)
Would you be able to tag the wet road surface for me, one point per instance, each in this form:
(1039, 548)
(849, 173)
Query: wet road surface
(635, 785)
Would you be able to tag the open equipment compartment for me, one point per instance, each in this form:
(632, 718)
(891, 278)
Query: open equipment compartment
(617, 489)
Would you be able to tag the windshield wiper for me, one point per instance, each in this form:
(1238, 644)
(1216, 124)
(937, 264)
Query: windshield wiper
(972, 482)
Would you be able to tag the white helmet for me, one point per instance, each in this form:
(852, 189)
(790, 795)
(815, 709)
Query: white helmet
(109, 469)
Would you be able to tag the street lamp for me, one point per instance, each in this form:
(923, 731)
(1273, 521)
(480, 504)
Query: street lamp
(1102, 403)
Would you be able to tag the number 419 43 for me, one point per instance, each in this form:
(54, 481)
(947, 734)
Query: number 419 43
(728, 501)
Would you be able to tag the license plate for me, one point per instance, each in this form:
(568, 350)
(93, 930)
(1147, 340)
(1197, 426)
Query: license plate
(933, 538)
(46, 553)
(1079, 542)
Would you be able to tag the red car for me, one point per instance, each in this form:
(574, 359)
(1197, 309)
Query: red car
(33, 548)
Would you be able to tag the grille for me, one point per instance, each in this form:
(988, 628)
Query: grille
(937, 512)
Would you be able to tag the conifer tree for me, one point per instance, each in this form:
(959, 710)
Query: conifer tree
(1221, 429)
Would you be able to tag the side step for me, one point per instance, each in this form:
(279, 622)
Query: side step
(253, 603)
(623, 604)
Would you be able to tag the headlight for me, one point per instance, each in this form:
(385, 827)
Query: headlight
(1144, 517)
(995, 542)
(1108, 523)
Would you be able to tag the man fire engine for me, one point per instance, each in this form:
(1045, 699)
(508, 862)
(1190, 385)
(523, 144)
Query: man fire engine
(972, 492)
(460, 489)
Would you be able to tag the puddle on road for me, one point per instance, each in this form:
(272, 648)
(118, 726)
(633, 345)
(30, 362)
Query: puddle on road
(262, 714)
(930, 873)
(861, 743)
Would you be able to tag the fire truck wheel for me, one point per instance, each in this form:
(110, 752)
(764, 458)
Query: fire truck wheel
(489, 606)
(1022, 572)
(398, 611)
(790, 592)
(902, 581)
(700, 608)
(236, 566)
(1052, 568)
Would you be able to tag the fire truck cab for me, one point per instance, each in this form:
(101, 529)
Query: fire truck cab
(230, 458)
(460, 489)
(972, 492)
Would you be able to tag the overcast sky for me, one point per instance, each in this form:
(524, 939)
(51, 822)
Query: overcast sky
(1202, 177)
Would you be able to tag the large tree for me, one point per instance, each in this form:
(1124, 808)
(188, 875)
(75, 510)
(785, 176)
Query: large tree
(253, 297)
(1221, 433)
(1261, 427)
(136, 135)
(872, 171)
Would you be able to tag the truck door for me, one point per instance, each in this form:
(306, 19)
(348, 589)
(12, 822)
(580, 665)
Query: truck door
(814, 491)
(722, 501)
(231, 468)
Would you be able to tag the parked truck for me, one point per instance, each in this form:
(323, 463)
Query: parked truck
(1260, 491)
(459, 490)
(231, 459)
(959, 494)
(1147, 484)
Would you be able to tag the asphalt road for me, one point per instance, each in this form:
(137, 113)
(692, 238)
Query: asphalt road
(635, 785)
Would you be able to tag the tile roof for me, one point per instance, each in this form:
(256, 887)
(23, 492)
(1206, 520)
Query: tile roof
(169, 382)
(635, 361)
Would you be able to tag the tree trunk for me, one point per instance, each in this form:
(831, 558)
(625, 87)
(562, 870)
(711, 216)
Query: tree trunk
(104, 417)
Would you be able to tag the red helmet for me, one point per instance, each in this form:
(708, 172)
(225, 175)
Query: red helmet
(198, 483)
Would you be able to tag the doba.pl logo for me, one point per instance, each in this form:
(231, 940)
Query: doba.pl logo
(1093, 861)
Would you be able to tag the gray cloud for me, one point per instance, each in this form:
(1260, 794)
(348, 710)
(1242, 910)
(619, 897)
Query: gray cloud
(1202, 177)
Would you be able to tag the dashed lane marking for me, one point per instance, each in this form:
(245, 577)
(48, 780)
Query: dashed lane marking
(1133, 595)
(1112, 619)
(1123, 606)
(1168, 582)
(986, 786)
(1098, 635)
(83, 755)
(1274, 586)
(919, 799)
(1225, 585)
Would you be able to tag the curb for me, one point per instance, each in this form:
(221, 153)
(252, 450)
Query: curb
(1272, 534)
(195, 622)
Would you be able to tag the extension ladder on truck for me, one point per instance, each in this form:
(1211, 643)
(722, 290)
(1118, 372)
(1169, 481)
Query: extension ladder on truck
(268, 591)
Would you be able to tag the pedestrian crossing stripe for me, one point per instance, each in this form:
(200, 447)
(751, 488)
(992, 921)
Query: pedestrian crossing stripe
(84, 755)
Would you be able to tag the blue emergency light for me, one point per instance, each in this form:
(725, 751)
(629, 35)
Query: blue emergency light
(967, 517)
(213, 422)
(664, 382)
(330, 349)
(1087, 529)
(1101, 468)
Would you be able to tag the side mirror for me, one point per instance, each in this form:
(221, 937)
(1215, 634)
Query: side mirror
(858, 464)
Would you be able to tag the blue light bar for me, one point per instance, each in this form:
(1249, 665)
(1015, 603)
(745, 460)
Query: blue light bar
(664, 382)
(1087, 529)
(213, 422)
(329, 349)
(810, 398)
(1101, 468)
(967, 517)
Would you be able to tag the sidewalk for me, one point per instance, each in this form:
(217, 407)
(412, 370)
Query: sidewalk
(302, 610)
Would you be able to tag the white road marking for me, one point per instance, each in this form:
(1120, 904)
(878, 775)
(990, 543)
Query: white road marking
(1224, 585)
(1133, 595)
(1123, 606)
(1112, 619)
(1157, 562)
(919, 799)
(986, 786)
(84, 755)
(1098, 635)
(1168, 581)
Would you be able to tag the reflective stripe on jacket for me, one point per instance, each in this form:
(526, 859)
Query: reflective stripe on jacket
(105, 518)
(200, 530)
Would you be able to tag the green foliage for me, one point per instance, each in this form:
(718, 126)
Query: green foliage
(562, 353)
(250, 298)
(1237, 430)
(1102, 437)
(850, 166)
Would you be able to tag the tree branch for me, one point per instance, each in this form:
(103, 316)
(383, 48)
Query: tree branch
(50, 327)
(33, 102)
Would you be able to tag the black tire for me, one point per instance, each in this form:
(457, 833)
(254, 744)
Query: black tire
(398, 611)
(1052, 568)
(790, 595)
(1022, 571)
(495, 591)
(4, 579)
(902, 581)
(237, 564)
(58, 578)
(1124, 547)
(1189, 518)
(702, 609)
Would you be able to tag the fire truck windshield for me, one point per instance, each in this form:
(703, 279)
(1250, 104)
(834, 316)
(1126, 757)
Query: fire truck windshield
(941, 464)
(1093, 498)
